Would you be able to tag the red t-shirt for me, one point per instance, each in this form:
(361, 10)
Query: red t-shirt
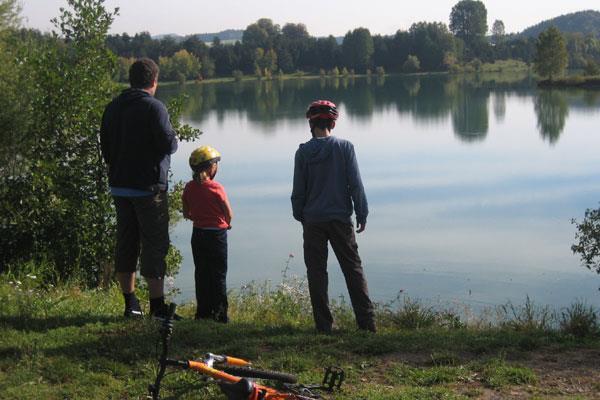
(205, 203)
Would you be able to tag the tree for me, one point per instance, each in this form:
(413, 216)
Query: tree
(357, 49)
(498, 32)
(9, 14)
(262, 34)
(468, 21)
(430, 43)
(57, 207)
(552, 57)
(411, 65)
(587, 238)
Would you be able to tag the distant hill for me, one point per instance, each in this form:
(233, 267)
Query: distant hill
(580, 22)
(228, 36)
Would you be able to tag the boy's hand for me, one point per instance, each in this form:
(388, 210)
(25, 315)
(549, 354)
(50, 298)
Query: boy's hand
(361, 227)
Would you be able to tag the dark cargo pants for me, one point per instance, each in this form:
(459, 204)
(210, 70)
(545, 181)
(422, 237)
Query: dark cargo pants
(342, 239)
(142, 222)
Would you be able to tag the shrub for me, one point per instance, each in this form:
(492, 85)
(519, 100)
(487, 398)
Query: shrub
(579, 320)
(528, 317)
(237, 75)
(411, 65)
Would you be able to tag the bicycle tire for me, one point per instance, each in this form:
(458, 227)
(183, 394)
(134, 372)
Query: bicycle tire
(248, 372)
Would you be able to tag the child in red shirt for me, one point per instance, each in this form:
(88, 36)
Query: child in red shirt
(205, 203)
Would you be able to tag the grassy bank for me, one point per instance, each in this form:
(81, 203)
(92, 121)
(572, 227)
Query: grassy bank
(68, 343)
(577, 81)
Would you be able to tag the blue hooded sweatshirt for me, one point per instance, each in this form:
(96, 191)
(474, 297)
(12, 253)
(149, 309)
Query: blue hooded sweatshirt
(137, 141)
(327, 182)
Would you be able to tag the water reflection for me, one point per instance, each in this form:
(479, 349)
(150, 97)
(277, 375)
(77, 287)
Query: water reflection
(450, 214)
(552, 111)
(429, 99)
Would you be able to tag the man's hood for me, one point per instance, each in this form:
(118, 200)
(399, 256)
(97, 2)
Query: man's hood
(317, 150)
(131, 94)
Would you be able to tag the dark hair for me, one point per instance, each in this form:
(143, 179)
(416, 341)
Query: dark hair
(323, 123)
(143, 73)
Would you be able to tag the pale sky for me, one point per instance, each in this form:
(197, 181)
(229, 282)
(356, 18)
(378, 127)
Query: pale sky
(321, 18)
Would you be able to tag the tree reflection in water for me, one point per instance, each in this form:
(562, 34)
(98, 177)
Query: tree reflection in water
(552, 111)
(465, 99)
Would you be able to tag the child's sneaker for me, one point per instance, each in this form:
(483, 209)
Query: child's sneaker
(133, 309)
(162, 313)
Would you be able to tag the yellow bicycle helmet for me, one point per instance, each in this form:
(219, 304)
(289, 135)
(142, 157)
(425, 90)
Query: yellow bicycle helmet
(204, 156)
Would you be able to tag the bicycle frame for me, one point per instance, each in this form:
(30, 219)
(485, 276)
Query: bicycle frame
(205, 367)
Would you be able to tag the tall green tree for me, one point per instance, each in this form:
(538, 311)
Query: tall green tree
(357, 49)
(551, 58)
(498, 32)
(9, 14)
(468, 21)
(57, 203)
(431, 43)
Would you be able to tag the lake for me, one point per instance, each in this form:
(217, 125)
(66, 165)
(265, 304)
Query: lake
(472, 183)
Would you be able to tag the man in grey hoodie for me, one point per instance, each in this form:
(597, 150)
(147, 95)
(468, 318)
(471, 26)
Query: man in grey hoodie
(327, 188)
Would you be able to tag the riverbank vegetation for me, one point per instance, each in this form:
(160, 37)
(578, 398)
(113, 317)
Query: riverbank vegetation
(65, 342)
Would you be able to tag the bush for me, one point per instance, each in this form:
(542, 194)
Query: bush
(579, 320)
(237, 75)
(592, 68)
(528, 317)
(411, 65)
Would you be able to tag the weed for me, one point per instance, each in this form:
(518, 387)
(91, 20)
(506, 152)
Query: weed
(579, 320)
(528, 317)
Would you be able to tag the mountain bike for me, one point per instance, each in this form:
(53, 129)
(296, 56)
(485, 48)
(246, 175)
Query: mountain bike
(232, 374)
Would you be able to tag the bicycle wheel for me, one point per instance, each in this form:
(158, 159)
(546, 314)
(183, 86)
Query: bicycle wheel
(248, 372)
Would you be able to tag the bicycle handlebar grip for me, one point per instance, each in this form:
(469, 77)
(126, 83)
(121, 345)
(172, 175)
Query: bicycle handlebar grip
(236, 361)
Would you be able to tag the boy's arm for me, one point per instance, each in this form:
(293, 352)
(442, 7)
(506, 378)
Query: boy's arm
(357, 190)
(227, 211)
(299, 189)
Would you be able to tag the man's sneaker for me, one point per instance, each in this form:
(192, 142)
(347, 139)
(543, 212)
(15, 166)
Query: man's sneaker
(133, 313)
(162, 313)
(132, 307)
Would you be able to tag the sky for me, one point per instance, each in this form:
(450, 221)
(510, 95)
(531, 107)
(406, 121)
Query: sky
(322, 18)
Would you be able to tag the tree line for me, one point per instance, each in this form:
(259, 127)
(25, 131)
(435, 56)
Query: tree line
(267, 48)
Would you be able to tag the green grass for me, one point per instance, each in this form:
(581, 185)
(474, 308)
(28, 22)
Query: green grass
(65, 342)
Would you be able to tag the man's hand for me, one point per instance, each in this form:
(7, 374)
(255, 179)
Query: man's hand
(361, 227)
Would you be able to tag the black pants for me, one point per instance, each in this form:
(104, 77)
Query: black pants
(342, 239)
(142, 222)
(209, 248)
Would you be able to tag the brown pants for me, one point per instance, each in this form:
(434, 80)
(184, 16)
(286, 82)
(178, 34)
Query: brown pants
(343, 242)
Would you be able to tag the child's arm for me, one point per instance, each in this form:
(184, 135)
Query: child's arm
(227, 210)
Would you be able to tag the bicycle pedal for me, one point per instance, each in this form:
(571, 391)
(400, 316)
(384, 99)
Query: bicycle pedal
(333, 378)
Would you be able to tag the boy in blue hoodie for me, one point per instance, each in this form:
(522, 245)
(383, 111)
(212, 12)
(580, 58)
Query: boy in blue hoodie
(327, 189)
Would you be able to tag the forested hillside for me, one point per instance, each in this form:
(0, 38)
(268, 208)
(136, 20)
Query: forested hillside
(585, 22)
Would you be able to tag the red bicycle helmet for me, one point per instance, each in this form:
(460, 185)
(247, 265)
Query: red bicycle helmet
(322, 109)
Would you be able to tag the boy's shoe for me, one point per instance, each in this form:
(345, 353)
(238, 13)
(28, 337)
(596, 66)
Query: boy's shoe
(132, 307)
(162, 313)
(133, 313)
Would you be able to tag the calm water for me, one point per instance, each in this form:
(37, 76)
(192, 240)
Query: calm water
(472, 183)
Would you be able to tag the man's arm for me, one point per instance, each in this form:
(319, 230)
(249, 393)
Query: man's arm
(162, 131)
(299, 188)
(357, 190)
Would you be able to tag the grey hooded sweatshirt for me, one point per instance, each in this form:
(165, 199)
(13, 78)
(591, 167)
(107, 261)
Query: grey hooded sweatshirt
(327, 182)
